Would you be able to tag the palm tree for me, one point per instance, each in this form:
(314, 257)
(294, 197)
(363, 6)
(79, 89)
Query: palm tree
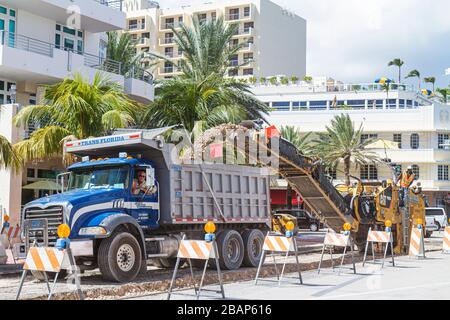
(444, 93)
(8, 156)
(398, 63)
(301, 141)
(342, 143)
(74, 109)
(414, 74)
(122, 48)
(431, 80)
(203, 92)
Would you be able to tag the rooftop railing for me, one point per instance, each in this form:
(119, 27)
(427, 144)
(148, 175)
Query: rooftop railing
(115, 4)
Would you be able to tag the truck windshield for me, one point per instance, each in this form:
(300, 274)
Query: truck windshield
(99, 178)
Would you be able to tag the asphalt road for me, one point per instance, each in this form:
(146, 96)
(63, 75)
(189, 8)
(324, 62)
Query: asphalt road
(410, 279)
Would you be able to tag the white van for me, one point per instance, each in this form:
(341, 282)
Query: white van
(440, 216)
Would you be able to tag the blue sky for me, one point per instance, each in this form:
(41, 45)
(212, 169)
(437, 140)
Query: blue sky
(353, 40)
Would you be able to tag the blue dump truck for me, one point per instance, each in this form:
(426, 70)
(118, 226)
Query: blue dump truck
(119, 223)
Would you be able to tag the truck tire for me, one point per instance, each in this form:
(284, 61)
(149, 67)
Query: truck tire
(253, 247)
(231, 249)
(120, 257)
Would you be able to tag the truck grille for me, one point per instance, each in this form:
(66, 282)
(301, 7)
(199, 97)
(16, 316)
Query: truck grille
(54, 216)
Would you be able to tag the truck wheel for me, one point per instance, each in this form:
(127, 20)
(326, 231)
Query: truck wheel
(314, 227)
(231, 249)
(119, 257)
(253, 244)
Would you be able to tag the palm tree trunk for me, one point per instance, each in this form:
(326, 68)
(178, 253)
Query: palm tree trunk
(399, 75)
(347, 171)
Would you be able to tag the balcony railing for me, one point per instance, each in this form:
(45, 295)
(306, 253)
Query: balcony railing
(244, 32)
(102, 63)
(237, 16)
(17, 41)
(140, 74)
(163, 41)
(170, 25)
(137, 26)
(115, 4)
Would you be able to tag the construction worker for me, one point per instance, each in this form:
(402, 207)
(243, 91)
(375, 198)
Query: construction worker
(406, 179)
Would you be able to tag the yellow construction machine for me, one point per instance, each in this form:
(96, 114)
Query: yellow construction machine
(371, 205)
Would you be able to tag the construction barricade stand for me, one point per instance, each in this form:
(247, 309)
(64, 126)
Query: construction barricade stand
(52, 260)
(383, 237)
(7, 234)
(199, 250)
(446, 241)
(417, 242)
(279, 244)
(338, 240)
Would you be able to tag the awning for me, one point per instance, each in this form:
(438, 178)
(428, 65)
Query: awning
(383, 144)
(43, 185)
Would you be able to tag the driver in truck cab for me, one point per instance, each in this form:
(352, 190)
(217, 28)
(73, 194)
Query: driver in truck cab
(140, 184)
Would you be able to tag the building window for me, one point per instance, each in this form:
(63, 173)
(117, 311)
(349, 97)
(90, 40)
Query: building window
(5, 91)
(232, 73)
(357, 104)
(281, 106)
(443, 173)
(416, 171)
(297, 106)
(365, 137)
(234, 14)
(318, 105)
(369, 172)
(442, 139)
(248, 72)
(409, 104)
(68, 37)
(391, 104)
(398, 139)
(30, 173)
(401, 103)
(247, 12)
(415, 141)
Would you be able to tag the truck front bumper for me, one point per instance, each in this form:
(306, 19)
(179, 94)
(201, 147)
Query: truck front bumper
(82, 248)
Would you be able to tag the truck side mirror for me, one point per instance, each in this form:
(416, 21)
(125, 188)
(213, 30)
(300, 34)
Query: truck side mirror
(150, 172)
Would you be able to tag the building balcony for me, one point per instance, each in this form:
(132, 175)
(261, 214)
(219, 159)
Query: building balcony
(95, 15)
(136, 27)
(24, 58)
(247, 47)
(244, 32)
(169, 71)
(167, 26)
(164, 42)
(143, 42)
(242, 15)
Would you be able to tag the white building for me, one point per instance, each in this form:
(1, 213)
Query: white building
(274, 38)
(421, 126)
(45, 41)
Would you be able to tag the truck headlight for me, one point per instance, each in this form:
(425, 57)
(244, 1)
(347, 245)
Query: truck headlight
(92, 231)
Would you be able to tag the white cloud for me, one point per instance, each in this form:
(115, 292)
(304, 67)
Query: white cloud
(353, 40)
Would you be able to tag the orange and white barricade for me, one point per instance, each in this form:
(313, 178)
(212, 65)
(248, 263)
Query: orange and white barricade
(8, 234)
(417, 243)
(50, 260)
(279, 244)
(197, 250)
(383, 237)
(446, 241)
(337, 240)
